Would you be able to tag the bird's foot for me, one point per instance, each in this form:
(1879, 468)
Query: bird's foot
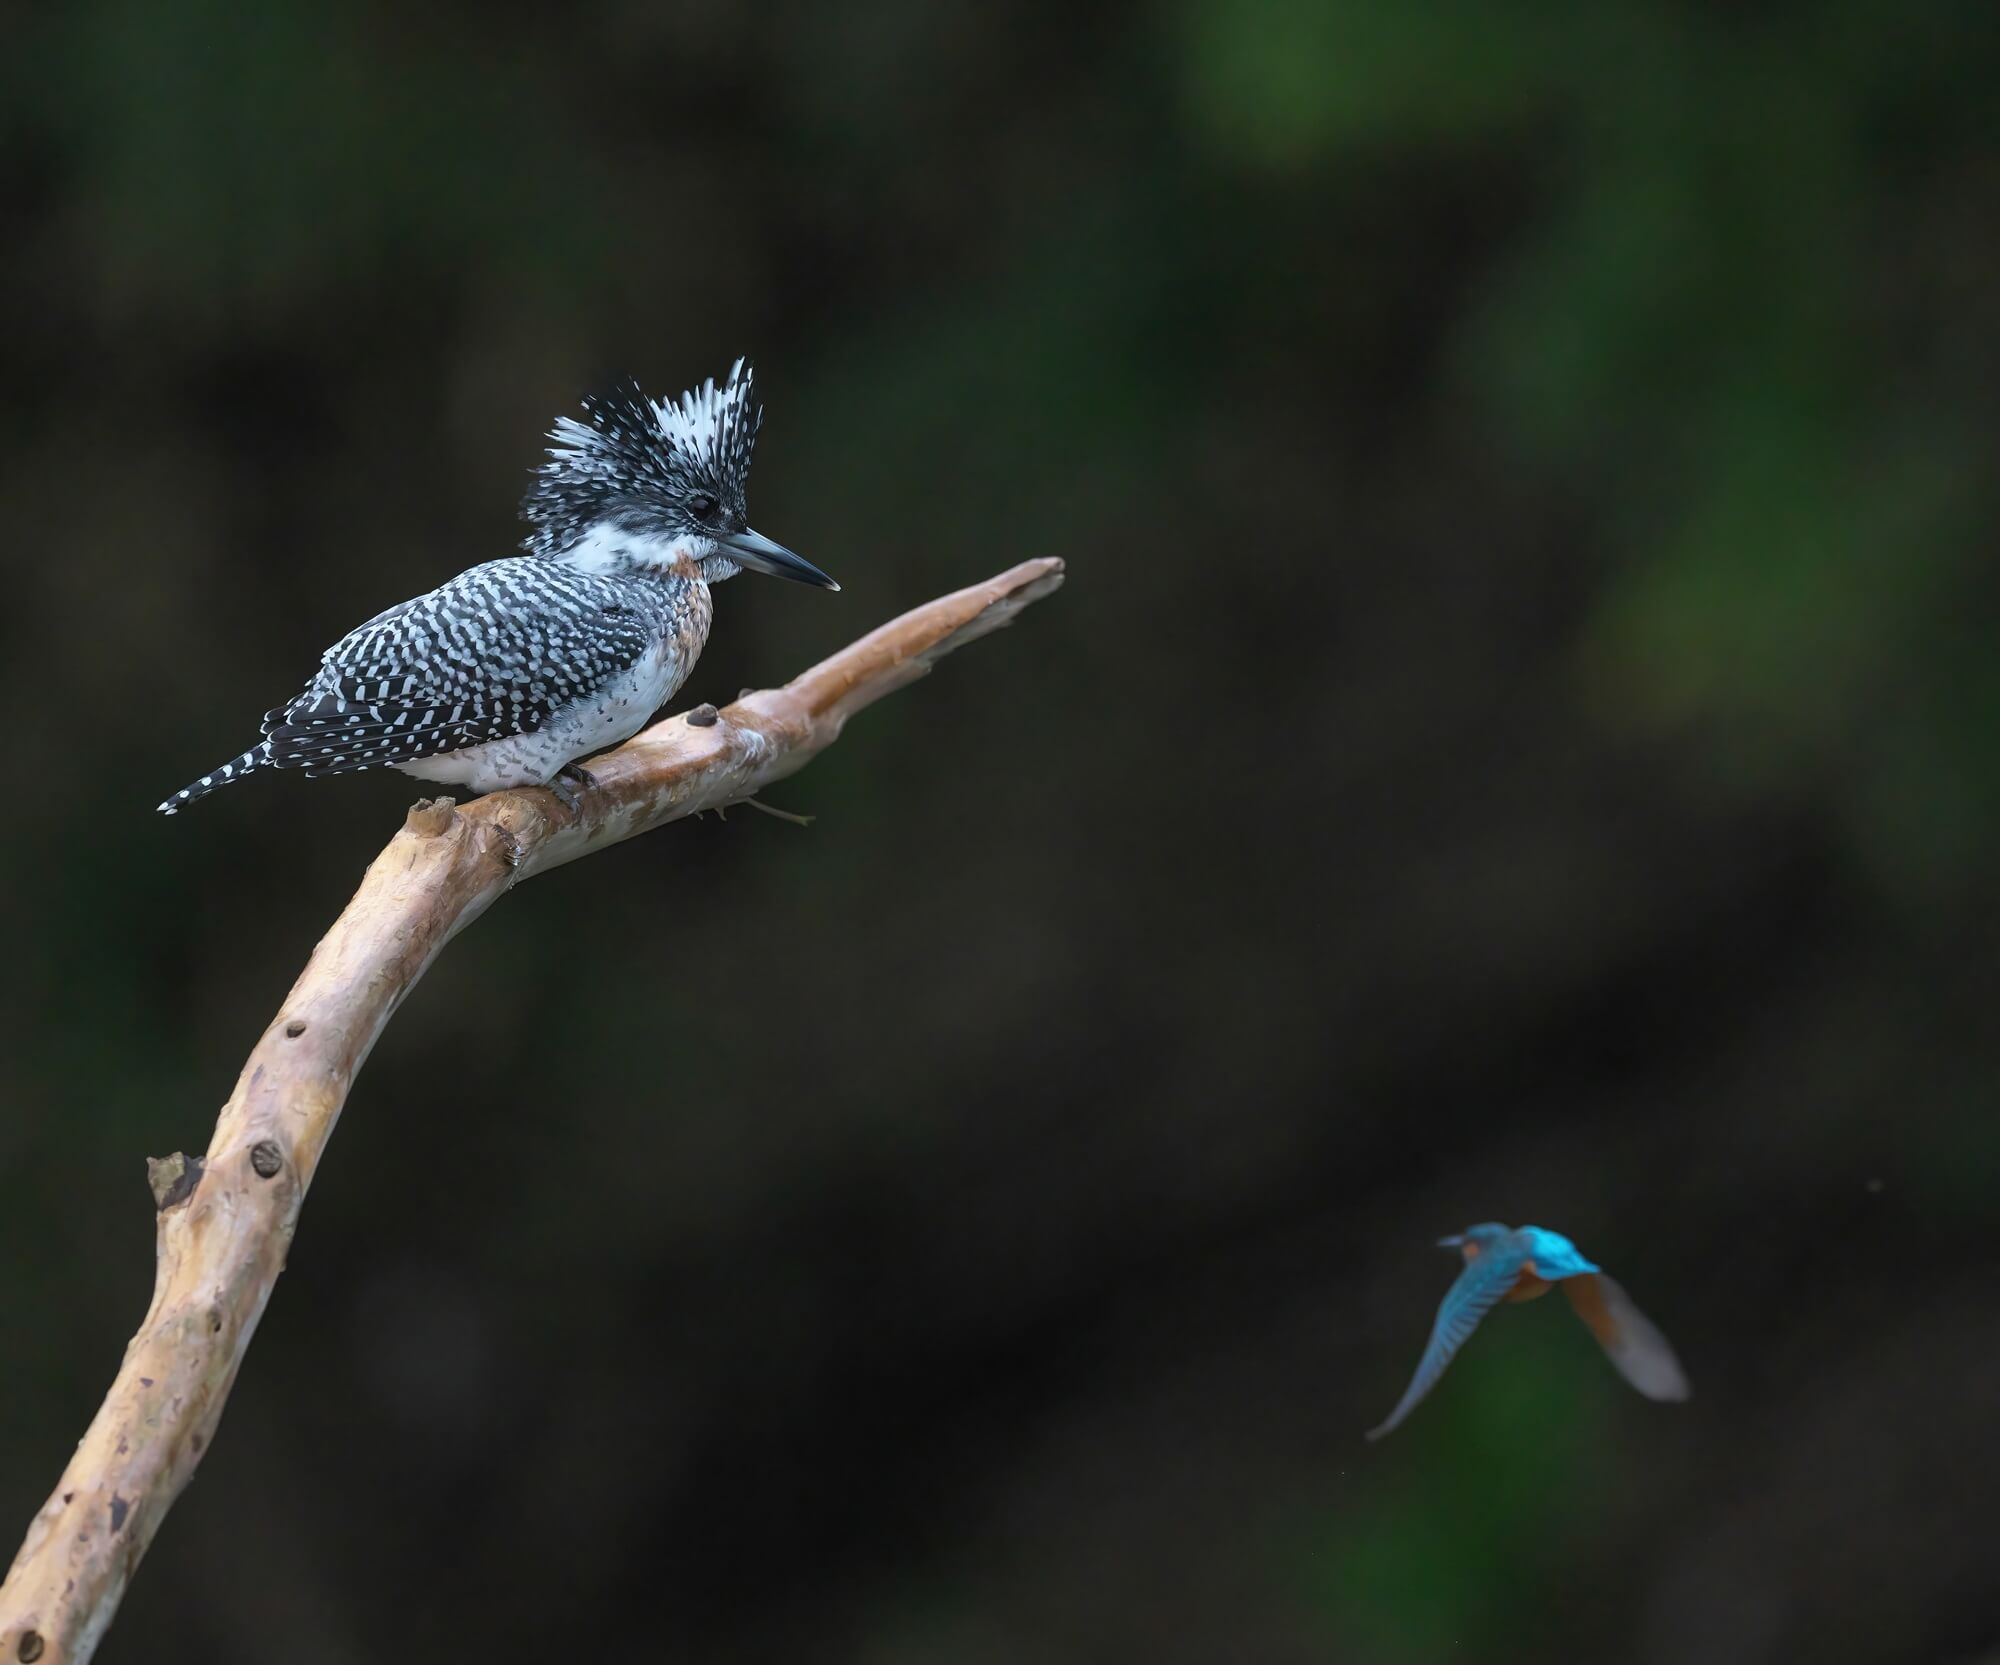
(571, 781)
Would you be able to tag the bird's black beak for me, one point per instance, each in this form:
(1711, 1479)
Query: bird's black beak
(757, 552)
(1456, 1241)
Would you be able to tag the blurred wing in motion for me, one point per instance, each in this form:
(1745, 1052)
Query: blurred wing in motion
(1479, 1289)
(1630, 1339)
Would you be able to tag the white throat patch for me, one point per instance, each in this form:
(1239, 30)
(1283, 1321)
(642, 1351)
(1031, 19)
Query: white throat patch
(608, 548)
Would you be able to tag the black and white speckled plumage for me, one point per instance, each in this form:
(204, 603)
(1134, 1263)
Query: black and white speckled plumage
(511, 671)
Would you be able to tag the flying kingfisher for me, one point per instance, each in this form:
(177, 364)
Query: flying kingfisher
(1505, 1263)
(512, 671)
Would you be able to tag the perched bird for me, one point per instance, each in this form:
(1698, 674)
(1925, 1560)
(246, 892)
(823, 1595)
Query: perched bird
(512, 671)
(1505, 1264)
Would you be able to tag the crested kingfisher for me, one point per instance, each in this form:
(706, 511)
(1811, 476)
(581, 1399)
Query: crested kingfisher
(514, 670)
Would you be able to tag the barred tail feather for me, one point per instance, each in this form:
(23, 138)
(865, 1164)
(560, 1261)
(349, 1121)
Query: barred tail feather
(257, 757)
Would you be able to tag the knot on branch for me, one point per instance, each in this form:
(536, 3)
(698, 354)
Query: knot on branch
(432, 817)
(172, 1179)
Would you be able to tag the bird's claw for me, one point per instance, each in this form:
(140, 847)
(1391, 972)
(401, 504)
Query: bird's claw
(571, 781)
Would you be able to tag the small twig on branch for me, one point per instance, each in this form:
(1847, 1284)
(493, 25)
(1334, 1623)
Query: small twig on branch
(776, 813)
(226, 1219)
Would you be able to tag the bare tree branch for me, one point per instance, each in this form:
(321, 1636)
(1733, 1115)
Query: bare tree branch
(226, 1219)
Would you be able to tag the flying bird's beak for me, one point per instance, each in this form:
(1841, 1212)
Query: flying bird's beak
(757, 552)
(1456, 1241)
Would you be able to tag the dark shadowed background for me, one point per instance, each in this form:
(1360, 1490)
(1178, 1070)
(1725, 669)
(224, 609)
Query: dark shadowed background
(1518, 741)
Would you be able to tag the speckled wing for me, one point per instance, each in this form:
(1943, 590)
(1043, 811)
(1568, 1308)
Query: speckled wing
(493, 653)
(1478, 1290)
(1630, 1339)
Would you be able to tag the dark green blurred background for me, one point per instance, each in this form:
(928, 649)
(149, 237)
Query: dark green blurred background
(1518, 741)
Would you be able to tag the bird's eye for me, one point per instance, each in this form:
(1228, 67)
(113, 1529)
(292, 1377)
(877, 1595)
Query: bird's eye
(702, 507)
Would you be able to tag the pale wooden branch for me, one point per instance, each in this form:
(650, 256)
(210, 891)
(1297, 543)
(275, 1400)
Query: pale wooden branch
(225, 1220)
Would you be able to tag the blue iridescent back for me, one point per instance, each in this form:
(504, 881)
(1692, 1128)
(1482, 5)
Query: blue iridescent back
(1554, 1255)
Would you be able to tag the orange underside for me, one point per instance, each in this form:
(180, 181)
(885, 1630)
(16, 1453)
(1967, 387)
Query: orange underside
(1529, 1285)
(1526, 1287)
